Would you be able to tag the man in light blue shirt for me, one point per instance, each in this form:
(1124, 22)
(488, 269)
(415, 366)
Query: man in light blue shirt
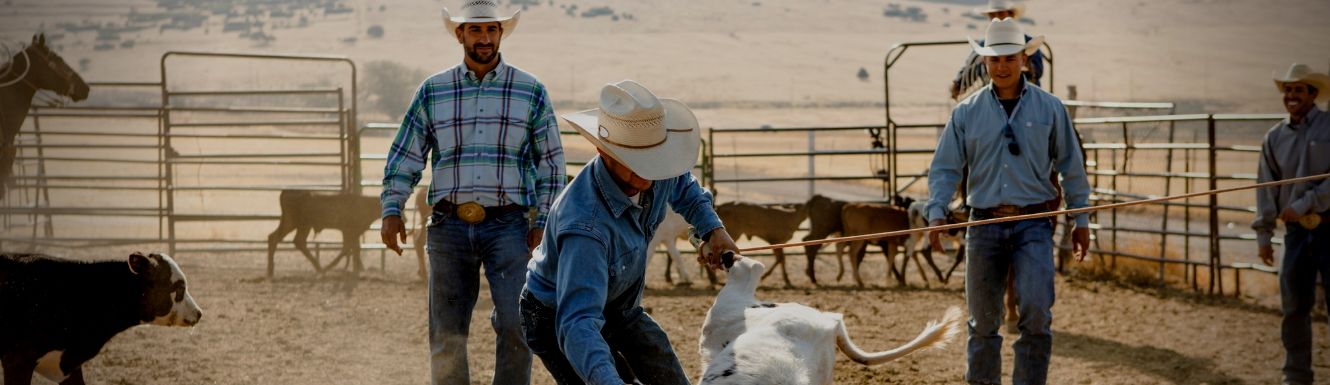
(1298, 146)
(582, 305)
(1011, 136)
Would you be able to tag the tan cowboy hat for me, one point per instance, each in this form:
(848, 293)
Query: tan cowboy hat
(1017, 9)
(1301, 73)
(656, 138)
(481, 11)
(1005, 38)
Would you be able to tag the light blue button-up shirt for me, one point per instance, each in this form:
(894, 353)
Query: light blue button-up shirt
(974, 138)
(592, 261)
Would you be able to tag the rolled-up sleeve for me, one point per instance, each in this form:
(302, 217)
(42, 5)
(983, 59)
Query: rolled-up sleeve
(579, 311)
(406, 156)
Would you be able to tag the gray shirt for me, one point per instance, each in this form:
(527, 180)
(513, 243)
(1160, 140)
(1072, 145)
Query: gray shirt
(1293, 151)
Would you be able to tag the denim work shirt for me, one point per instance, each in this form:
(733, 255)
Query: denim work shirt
(974, 137)
(1293, 151)
(594, 253)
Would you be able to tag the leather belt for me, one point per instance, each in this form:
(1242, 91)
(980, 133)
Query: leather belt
(1003, 211)
(473, 213)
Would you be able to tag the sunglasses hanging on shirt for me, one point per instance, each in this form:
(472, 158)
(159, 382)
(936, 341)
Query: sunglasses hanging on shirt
(1012, 146)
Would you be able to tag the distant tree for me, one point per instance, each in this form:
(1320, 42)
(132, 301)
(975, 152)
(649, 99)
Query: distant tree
(375, 31)
(387, 88)
(863, 74)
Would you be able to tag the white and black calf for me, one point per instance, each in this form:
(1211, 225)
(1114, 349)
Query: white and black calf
(749, 342)
(56, 314)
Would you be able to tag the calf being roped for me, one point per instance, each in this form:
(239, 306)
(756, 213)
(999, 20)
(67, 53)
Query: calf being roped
(773, 224)
(56, 314)
(745, 341)
(304, 210)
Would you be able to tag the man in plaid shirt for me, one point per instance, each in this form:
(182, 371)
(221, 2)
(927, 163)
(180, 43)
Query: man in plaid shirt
(490, 133)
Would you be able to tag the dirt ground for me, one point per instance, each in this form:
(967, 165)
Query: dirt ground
(302, 329)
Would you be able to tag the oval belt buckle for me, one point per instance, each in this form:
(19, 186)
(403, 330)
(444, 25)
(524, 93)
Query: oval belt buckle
(1310, 221)
(471, 212)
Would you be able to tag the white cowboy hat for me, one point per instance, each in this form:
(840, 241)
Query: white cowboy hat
(656, 138)
(481, 11)
(1017, 9)
(1005, 38)
(1301, 73)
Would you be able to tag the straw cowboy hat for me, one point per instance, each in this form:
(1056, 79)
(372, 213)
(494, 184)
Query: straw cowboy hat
(656, 138)
(480, 11)
(1299, 72)
(1017, 9)
(1005, 38)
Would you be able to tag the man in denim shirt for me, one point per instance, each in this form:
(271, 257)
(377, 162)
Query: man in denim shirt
(1010, 135)
(1297, 147)
(582, 306)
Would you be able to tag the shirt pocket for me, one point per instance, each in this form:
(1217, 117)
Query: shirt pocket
(445, 131)
(620, 274)
(1318, 155)
(513, 124)
(1036, 136)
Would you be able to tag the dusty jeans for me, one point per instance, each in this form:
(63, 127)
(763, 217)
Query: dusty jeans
(1027, 246)
(1306, 254)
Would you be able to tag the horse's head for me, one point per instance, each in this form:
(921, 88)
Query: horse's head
(48, 71)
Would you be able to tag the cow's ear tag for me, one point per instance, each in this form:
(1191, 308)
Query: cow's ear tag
(138, 263)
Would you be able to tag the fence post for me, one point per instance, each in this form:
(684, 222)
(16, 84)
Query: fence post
(1216, 278)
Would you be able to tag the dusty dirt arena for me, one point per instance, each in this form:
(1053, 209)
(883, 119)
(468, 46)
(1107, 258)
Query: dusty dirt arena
(299, 329)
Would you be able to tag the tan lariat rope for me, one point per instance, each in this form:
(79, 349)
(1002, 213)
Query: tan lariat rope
(1034, 216)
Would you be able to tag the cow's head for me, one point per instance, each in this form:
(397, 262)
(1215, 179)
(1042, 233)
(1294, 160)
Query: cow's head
(166, 300)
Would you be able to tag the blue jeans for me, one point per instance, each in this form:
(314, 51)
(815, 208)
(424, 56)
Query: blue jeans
(643, 353)
(1027, 247)
(457, 250)
(1306, 254)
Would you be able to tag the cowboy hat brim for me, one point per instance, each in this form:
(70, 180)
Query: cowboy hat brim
(1017, 10)
(508, 23)
(1320, 81)
(673, 158)
(1006, 49)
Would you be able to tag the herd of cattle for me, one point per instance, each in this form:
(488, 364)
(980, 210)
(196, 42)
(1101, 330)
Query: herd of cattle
(303, 211)
(827, 217)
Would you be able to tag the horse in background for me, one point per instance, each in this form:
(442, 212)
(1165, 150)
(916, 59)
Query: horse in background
(32, 69)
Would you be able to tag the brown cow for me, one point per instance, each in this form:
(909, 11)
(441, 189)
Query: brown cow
(870, 218)
(773, 224)
(824, 220)
(303, 210)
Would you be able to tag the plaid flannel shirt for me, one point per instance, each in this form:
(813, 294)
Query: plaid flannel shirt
(494, 141)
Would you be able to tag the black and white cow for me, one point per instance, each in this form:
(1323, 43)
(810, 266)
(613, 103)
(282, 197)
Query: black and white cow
(748, 342)
(56, 314)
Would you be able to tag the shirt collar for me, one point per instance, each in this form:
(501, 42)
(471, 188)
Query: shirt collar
(498, 71)
(1025, 88)
(614, 198)
(1306, 120)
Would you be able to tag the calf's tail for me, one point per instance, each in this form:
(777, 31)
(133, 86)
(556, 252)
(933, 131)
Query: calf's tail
(936, 335)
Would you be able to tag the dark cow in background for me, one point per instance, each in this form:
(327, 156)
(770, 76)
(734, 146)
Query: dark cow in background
(773, 224)
(304, 210)
(56, 314)
(872, 218)
(824, 220)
